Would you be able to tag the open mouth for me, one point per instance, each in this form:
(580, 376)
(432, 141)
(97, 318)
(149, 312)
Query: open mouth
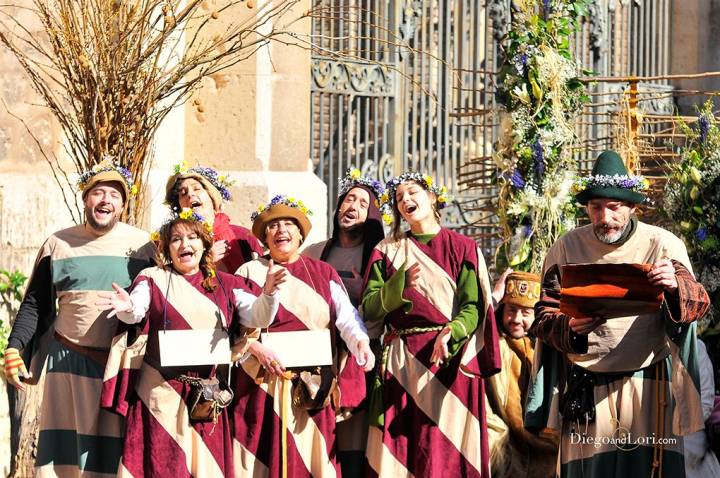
(282, 240)
(186, 255)
(103, 211)
(411, 208)
(195, 204)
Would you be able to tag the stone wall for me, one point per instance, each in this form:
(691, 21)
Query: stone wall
(251, 120)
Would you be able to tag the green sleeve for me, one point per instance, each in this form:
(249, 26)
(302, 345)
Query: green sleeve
(383, 296)
(468, 316)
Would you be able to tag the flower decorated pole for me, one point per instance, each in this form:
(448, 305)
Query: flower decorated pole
(692, 201)
(542, 97)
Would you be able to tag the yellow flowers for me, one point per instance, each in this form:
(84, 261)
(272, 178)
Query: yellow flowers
(694, 193)
(133, 190)
(155, 236)
(355, 173)
(387, 219)
(385, 197)
(186, 214)
(695, 175)
(428, 180)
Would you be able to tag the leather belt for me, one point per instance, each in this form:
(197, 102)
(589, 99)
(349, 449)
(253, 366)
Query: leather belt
(96, 355)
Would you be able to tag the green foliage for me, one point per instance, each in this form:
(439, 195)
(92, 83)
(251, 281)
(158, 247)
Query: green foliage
(692, 200)
(542, 95)
(11, 284)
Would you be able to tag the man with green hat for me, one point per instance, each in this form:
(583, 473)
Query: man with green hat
(59, 324)
(621, 390)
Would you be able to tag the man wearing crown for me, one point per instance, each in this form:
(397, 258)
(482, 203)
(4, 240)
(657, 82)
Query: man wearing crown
(357, 229)
(620, 385)
(515, 451)
(59, 323)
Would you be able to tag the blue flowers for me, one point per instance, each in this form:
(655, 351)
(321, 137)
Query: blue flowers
(538, 158)
(281, 199)
(516, 180)
(703, 128)
(701, 234)
(353, 177)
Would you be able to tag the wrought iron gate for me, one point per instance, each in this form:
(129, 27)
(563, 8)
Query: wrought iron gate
(400, 84)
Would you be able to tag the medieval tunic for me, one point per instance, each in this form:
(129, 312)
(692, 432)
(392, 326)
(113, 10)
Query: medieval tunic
(312, 298)
(643, 370)
(514, 451)
(72, 267)
(431, 419)
(160, 440)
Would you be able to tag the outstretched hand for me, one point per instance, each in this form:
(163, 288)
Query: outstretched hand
(118, 301)
(274, 278)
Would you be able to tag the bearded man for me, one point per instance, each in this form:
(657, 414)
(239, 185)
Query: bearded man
(622, 391)
(357, 229)
(73, 266)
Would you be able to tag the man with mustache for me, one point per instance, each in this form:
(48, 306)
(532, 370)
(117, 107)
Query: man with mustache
(72, 267)
(357, 228)
(515, 451)
(621, 391)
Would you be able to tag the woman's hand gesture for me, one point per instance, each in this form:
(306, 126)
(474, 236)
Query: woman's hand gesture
(440, 349)
(273, 279)
(412, 275)
(365, 358)
(118, 301)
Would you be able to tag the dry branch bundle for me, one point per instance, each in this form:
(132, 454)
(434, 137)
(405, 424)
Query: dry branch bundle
(111, 70)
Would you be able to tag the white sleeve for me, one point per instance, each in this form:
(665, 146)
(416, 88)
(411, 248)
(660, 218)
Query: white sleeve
(140, 297)
(256, 312)
(352, 328)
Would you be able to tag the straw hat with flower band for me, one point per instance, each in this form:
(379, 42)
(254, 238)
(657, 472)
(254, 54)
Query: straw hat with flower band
(279, 207)
(214, 183)
(104, 172)
(387, 199)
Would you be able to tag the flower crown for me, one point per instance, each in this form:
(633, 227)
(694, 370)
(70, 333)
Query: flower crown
(632, 183)
(107, 165)
(221, 182)
(281, 199)
(387, 199)
(187, 214)
(353, 177)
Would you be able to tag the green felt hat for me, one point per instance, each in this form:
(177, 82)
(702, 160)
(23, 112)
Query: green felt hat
(610, 180)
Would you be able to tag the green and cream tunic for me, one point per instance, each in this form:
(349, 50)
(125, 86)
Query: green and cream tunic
(642, 370)
(59, 324)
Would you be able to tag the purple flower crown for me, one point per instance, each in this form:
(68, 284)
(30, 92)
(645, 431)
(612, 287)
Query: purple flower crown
(221, 182)
(281, 199)
(353, 177)
(186, 214)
